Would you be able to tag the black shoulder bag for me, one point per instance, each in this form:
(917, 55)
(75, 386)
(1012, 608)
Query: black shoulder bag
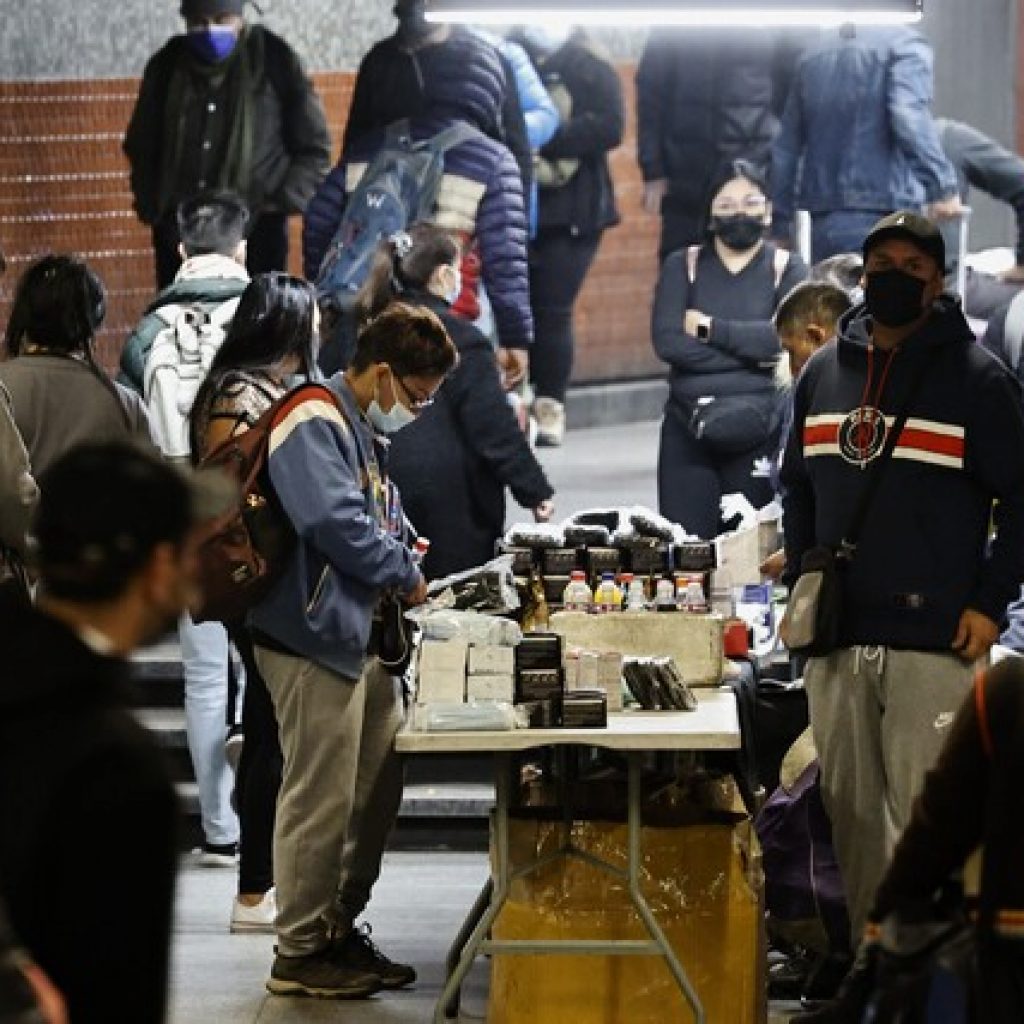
(814, 614)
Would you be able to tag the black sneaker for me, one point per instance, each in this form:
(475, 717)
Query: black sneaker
(357, 951)
(320, 975)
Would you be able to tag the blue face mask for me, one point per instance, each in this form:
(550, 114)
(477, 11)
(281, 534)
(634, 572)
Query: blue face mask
(213, 43)
(392, 421)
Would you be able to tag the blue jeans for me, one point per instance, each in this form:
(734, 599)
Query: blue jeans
(204, 657)
(841, 231)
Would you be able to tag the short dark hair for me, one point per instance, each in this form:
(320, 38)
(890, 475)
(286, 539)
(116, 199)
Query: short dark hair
(811, 302)
(102, 511)
(730, 172)
(844, 270)
(212, 222)
(410, 339)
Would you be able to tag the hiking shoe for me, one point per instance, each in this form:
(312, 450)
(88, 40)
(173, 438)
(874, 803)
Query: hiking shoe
(320, 977)
(787, 979)
(209, 855)
(550, 417)
(359, 952)
(259, 918)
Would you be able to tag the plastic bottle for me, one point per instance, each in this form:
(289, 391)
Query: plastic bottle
(420, 550)
(665, 596)
(635, 598)
(577, 596)
(608, 597)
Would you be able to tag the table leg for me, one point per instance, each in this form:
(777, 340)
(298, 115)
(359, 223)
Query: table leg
(483, 901)
(639, 900)
(499, 887)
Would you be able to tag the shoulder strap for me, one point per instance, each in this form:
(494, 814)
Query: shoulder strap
(848, 547)
(450, 138)
(1013, 332)
(692, 253)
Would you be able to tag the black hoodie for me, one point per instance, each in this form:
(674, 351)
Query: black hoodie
(923, 555)
(87, 840)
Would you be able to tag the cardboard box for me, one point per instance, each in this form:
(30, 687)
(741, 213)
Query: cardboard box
(443, 656)
(693, 641)
(492, 661)
(441, 674)
(704, 885)
(491, 687)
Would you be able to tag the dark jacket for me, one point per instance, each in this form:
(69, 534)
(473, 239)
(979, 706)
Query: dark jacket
(453, 464)
(740, 355)
(586, 204)
(396, 82)
(291, 144)
(703, 100)
(980, 162)
(923, 555)
(857, 132)
(481, 198)
(78, 774)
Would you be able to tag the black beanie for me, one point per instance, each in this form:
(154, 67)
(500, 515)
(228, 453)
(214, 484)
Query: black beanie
(210, 8)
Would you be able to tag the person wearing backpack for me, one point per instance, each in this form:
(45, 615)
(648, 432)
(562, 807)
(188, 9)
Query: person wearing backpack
(225, 105)
(479, 198)
(338, 709)
(712, 325)
(271, 339)
(201, 300)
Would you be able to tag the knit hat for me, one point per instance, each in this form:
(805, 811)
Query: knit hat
(210, 8)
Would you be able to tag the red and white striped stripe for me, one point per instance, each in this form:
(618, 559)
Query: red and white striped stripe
(928, 441)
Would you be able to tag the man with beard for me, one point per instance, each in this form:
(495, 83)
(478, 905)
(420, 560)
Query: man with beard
(87, 830)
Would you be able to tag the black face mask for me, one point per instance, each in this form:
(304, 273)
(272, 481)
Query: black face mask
(894, 298)
(739, 232)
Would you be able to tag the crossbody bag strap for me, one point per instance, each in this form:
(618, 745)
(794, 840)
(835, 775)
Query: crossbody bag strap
(851, 538)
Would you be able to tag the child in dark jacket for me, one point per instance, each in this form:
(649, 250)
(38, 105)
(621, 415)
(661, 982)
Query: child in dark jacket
(453, 464)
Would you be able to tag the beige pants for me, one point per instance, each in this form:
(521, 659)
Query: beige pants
(340, 792)
(879, 717)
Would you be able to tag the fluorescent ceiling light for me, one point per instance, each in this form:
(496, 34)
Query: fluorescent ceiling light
(694, 13)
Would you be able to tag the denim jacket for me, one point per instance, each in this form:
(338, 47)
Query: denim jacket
(858, 132)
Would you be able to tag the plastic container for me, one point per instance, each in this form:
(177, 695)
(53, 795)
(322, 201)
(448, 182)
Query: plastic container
(665, 596)
(420, 550)
(635, 598)
(608, 596)
(577, 596)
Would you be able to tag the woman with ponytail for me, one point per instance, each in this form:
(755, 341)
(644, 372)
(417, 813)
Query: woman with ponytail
(453, 463)
(60, 395)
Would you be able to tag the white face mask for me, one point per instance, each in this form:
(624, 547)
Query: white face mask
(392, 421)
(452, 294)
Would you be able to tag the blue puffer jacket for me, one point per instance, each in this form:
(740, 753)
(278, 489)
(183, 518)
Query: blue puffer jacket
(859, 118)
(481, 199)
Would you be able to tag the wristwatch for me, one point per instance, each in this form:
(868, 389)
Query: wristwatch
(704, 329)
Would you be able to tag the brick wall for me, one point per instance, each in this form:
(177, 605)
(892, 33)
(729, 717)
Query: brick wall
(64, 188)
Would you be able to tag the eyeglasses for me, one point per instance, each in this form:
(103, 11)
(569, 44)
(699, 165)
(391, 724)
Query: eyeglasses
(753, 204)
(417, 403)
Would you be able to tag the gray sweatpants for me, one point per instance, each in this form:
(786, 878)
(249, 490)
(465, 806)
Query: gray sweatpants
(340, 792)
(879, 718)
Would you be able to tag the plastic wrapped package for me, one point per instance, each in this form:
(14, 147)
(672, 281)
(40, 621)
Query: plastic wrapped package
(467, 626)
(474, 716)
(704, 885)
(657, 685)
(487, 588)
(535, 535)
(584, 535)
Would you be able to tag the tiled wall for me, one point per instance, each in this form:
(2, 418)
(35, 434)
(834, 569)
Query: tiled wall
(64, 187)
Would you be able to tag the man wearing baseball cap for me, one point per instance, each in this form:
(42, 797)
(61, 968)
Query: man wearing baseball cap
(225, 106)
(925, 590)
(88, 833)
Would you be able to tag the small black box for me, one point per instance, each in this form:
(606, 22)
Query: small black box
(601, 560)
(543, 714)
(539, 651)
(560, 561)
(540, 684)
(522, 559)
(585, 709)
(698, 556)
(554, 588)
(648, 558)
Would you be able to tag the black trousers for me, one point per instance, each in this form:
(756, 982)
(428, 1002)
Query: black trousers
(559, 262)
(692, 479)
(259, 775)
(267, 248)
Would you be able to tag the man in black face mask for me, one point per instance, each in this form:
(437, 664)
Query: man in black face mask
(924, 589)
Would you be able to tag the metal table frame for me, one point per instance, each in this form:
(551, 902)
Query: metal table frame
(714, 726)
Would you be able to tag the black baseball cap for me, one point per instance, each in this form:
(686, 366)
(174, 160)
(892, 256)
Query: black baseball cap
(210, 8)
(913, 227)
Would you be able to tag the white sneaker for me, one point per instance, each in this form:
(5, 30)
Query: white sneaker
(550, 416)
(216, 856)
(255, 919)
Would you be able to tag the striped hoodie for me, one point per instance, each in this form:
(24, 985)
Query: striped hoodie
(325, 470)
(924, 554)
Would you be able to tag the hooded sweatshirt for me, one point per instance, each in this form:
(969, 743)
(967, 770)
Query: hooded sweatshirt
(80, 780)
(923, 555)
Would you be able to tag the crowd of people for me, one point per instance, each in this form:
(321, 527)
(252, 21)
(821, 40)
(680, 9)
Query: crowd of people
(393, 408)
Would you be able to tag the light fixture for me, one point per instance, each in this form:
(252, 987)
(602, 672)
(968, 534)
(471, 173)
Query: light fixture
(693, 13)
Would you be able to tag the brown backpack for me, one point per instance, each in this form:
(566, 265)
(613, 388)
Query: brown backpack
(242, 554)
